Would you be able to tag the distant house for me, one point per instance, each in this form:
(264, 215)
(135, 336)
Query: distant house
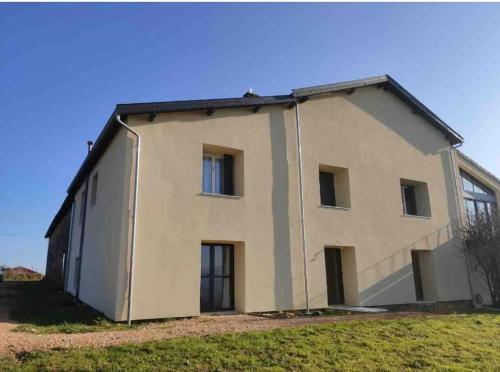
(346, 193)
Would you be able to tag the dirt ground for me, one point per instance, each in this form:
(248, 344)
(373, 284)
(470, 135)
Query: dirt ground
(12, 343)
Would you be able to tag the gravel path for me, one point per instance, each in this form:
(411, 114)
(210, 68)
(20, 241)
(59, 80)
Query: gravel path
(12, 343)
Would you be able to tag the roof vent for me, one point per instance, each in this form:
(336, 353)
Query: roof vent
(250, 93)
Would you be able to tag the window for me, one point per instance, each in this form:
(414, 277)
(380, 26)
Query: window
(415, 198)
(334, 188)
(479, 200)
(409, 204)
(327, 188)
(218, 174)
(82, 207)
(93, 193)
(470, 184)
(417, 275)
(217, 277)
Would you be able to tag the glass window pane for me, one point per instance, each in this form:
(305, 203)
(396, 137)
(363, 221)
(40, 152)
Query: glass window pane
(490, 207)
(205, 293)
(205, 260)
(467, 185)
(218, 176)
(222, 294)
(409, 204)
(218, 290)
(227, 261)
(218, 260)
(226, 293)
(470, 208)
(207, 174)
(481, 208)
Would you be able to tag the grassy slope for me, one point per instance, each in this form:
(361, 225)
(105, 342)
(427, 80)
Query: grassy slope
(452, 342)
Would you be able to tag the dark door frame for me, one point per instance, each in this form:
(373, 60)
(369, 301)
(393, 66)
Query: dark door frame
(417, 275)
(335, 297)
(211, 276)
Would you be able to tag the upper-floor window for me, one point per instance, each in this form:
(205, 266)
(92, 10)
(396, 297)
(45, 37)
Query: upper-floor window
(409, 203)
(415, 198)
(334, 186)
(470, 184)
(327, 188)
(218, 174)
(93, 192)
(479, 199)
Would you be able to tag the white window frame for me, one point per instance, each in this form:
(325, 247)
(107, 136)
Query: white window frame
(213, 158)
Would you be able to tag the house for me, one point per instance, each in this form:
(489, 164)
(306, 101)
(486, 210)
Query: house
(337, 194)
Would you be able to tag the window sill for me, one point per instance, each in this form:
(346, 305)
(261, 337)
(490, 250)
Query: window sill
(416, 216)
(223, 196)
(334, 207)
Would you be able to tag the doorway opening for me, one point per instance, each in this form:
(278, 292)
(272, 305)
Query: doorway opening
(217, 277)
(334, 276)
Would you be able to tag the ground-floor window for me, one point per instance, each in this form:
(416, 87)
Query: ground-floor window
(217, 277)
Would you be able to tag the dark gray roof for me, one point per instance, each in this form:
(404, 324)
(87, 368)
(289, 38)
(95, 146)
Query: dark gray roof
(390, 84)
(202, 104)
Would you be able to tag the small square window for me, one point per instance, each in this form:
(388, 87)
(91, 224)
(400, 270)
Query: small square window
(415, 198)
(334, 190)
(222, 171)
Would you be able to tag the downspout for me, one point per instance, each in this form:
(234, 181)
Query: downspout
(467, 260)
(70, 238)
(301, 187)
(134, 212)
(82, 232)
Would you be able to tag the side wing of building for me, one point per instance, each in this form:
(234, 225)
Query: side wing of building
(102, 279)
(478, 193)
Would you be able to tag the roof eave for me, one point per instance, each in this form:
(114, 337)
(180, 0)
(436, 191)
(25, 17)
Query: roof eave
(389, 83)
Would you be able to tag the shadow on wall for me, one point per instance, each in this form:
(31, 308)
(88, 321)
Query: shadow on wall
(125, 238)
(397, 120)
(283, 293)
(398, 287)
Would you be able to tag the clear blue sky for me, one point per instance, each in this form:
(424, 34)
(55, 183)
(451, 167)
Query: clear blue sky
(64, 67)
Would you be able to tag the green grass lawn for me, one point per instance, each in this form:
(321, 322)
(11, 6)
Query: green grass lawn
(447, 342)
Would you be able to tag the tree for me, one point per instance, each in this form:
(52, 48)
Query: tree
(481, 234)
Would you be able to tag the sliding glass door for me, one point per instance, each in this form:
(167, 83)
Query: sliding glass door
(217, 277)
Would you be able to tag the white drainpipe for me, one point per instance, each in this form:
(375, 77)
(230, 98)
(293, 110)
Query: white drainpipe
(134, 213)
(304, 246)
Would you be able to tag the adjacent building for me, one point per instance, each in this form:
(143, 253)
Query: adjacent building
(346, 193)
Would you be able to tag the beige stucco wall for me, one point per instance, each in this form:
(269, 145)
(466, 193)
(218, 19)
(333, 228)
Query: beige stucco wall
(380, 141)
(104, 254)
(174, 217)
(371, 134)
